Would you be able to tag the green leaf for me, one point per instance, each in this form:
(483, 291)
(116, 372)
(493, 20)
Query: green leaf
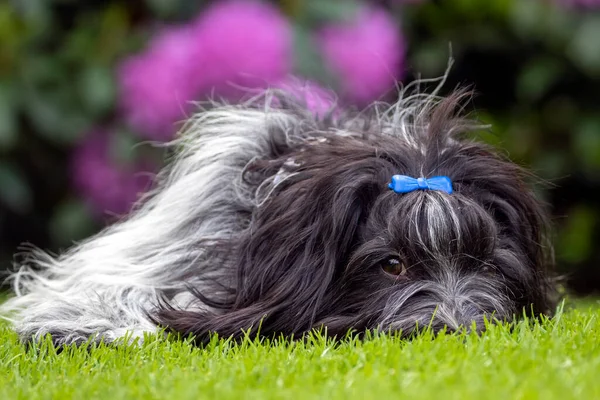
(551, 164)
(558, 27)
(123, 147)
(319, 11)
(8, 117)
(559, 114)
(163, 8)
(55, 114)
(15, 192)
(52, 101)
(71, 222)
(430, 59)
(36, 13)
(537, 77)
(174, 8)
(308, 61)
(520, 136)
(477, 9)
(587, 143)
(525, 17)
(575, 244)
(97, 88)
(535, 20)
(584, 49)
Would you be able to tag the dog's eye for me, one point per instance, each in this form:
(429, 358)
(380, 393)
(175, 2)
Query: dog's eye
(394, 266)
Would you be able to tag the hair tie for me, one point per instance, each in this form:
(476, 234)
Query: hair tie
(407, 184)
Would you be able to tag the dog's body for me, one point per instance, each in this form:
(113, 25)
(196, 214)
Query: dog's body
(270, 217)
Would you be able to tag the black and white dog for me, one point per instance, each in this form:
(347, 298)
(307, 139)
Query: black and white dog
(269, 220)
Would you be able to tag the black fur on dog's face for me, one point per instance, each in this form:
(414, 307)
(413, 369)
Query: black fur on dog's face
(334, 247)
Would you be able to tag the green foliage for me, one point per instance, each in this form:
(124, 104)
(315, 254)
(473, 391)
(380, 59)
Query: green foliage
(534, 64)
(576, 236)
(70, 220)
(15, 193)
(552, 359)
(8, 120)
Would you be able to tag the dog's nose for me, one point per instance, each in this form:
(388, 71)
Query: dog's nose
(453, 319)
(476, 325)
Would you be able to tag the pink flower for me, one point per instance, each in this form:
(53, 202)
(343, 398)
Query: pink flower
(367, 54)
(245, 44)
(316, 98)
(105, 185)
(157, 85)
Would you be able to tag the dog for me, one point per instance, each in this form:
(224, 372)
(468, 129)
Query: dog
(269, 220)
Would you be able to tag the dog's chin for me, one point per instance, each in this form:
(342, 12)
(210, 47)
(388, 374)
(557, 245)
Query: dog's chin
(466, 304)
(436, 306)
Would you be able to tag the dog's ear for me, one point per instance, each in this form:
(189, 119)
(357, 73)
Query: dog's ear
(502, 188)
(286, 261)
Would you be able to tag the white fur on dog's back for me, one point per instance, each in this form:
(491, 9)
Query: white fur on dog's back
(107, 285)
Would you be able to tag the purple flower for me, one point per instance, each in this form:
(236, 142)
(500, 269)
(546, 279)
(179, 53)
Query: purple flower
(245, 44)
(367, 54)
(107, 187)
(157, 85)
(316, 98)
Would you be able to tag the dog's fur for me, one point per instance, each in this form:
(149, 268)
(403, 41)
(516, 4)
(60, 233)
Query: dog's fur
(270, 217)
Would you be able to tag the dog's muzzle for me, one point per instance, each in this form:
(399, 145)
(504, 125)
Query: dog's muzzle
(455, 304)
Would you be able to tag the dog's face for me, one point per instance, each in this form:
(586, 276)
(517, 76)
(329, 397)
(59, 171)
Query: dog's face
(332, 246)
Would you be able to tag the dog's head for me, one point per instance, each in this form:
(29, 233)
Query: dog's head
(333, 246)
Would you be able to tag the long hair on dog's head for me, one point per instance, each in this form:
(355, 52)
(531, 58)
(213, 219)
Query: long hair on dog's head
(330, 245)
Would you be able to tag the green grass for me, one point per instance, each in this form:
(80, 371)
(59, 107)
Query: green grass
(556, 359)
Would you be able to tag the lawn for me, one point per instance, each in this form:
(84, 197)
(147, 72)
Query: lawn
(555, 359)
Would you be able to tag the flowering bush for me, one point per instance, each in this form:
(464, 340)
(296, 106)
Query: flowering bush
(85, 85)
(366, 53)
(232, 47)
(242, 45)
(103, 181)
(156, 86)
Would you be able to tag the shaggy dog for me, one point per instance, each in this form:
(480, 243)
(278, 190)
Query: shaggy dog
(269, 220)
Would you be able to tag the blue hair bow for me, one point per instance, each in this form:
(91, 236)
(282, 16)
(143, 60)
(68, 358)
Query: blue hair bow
(407, 184)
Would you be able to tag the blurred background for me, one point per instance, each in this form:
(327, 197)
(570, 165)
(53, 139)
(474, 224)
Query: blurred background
(89, 87)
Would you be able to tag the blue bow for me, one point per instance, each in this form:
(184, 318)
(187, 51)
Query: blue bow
(406, 184)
